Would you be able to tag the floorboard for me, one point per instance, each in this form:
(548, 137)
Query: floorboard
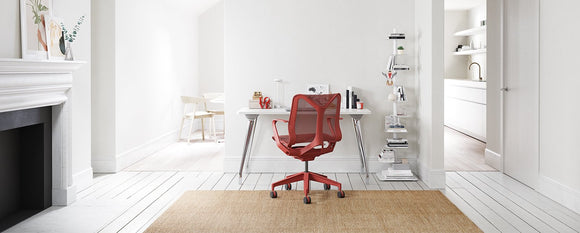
(131, 201)
(463, 153)
(277, 177)
(469, 211)
(500, 208)
(523, 214)
(356, 181)
(211, 181)
(399, 185)
(154, 209)
(141, 205)
(384, 185)
(413, 186)
(225, 181)
(531, 208)
(251, 181)
(528, 194)
(264, 182)
(103, 187)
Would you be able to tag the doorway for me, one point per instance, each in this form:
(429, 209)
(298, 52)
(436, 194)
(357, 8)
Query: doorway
(202, 152)
(465, 92)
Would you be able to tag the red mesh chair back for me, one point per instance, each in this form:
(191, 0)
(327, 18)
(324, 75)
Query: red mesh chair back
(313, 127)
(313, 130)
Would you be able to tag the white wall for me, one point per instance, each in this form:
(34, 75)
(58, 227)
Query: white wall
(559, 111)
(475, 15)
(103, 85)
(429, 16)
(455, 66)
(10, 25)
(494, 78)
(211, 55)
(70, 11)
(342, 43)
(157, 61)
(211, 49)
(154, 49)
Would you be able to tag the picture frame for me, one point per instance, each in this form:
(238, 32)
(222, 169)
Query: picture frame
(54, 38)
(318, 89)
(33, 14)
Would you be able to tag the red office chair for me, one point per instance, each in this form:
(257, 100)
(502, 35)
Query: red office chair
(313, 130)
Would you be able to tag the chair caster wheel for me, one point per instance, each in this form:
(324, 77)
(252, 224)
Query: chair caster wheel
(307, 200)
(273, 194)
(326, 187)
(340, 194)
(288, 186)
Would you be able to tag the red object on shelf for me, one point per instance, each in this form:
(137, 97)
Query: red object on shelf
(265, 102)
(313, 130)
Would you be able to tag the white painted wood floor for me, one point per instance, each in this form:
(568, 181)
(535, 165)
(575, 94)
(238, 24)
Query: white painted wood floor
(463, 153)
(131, 201)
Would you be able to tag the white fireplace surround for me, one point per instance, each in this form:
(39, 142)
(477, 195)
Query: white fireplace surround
(26, 84)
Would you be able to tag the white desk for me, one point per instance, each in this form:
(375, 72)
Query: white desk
(254, 114)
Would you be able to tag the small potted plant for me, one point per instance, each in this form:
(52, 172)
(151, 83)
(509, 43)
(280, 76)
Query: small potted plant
(400, 50)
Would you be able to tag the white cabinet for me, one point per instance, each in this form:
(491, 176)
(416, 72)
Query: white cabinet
(465, 107)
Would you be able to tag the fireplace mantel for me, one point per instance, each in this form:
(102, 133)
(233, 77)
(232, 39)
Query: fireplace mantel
(26, 84)
(9, 65)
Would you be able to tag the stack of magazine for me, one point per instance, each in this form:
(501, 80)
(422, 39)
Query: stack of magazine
(398, 171)
(397, 142)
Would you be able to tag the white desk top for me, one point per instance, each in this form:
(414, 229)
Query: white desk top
(281, 111)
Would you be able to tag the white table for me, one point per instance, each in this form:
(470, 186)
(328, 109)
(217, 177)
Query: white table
(254, 114)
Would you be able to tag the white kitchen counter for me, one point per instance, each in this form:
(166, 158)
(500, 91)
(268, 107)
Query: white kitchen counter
(465, 107)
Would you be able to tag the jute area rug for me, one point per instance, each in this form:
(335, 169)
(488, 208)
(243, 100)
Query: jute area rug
(359, 211)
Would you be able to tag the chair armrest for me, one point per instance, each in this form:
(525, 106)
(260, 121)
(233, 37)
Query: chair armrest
(275, 128)
(329, 122)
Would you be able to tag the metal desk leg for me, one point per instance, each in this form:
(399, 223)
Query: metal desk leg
(359, 139)
(248, 146)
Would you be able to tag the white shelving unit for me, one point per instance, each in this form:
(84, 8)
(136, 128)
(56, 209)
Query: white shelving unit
(396, 130)
(471, 31)
(470, 52)
(396, 170)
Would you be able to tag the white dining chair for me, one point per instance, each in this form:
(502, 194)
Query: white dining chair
(191, 111)
(216, 101)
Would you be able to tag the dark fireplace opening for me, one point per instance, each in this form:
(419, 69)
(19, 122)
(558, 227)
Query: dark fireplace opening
(25, 164)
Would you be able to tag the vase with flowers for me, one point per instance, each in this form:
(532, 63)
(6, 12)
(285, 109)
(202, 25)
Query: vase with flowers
(70, 37)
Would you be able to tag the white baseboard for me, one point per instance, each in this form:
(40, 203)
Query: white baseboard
(335, 163)
(435, 179)
(64, 197)
(493, 159)
(104, 166)
(468, 132)
(560, 193)
(137, 153)
(83, 179)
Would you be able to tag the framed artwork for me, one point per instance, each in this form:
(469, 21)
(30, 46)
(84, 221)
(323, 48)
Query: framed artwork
(54, 38)
(33, 14)
(318, 89)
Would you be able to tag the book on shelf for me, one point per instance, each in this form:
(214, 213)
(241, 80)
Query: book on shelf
(397, 140)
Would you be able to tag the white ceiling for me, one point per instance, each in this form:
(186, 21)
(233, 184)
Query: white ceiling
(462, 4)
